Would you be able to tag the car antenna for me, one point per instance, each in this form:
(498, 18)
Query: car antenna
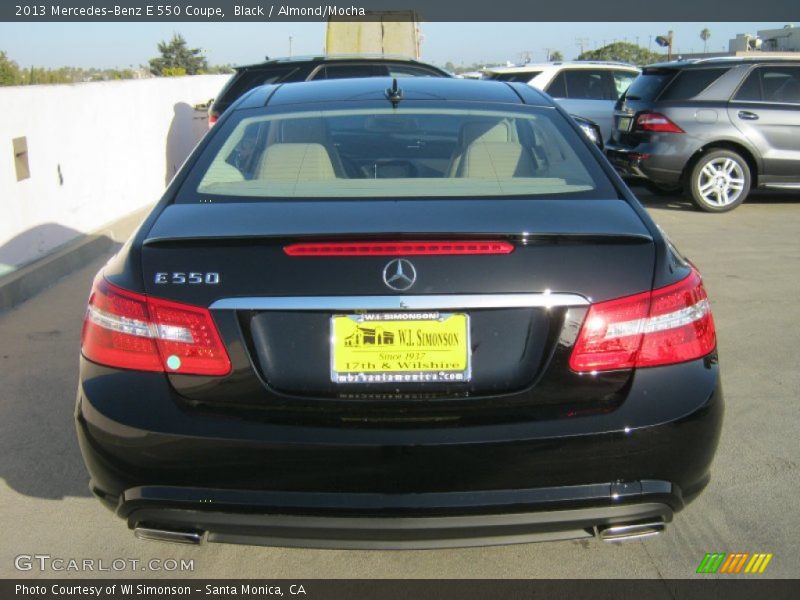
(394, 93)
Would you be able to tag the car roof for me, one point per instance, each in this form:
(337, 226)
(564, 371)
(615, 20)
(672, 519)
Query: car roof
(326, 58)
(726, 60)
(413, 88)
(576, 64)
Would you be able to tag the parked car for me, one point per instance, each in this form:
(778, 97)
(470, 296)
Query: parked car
(715, 128)
(587, 89)
(382, 313)
(308, 68)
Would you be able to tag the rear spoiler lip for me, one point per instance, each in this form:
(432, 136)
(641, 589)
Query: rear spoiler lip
(516, 237)
(518, 219)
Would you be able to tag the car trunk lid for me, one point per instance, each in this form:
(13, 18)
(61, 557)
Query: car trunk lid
(276, 310)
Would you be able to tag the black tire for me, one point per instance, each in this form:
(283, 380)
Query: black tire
(719, 181)
(663, 189)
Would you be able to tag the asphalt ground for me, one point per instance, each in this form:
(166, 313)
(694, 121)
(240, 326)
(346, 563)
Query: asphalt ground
(750, 259)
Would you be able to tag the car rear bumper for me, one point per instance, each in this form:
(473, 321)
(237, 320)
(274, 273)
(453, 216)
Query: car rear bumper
(356, 520)
(648, 161)
(163, 465)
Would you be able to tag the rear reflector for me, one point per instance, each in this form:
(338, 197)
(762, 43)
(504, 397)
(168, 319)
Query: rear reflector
(669, 325)
(132, 331)
(651, 121)
(404, 248)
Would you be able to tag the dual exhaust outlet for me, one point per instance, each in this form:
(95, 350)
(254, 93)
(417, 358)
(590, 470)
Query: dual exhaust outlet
(630, 531)
(170, 535)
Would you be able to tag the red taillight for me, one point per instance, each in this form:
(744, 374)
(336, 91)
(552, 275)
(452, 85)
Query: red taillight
(212, 119)
(404, 248)
(132, 331)
(651, 121)
(669, 325)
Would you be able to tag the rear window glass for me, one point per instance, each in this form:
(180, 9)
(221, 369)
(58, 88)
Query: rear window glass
(649, 84)
(691, 82)
(772, 84)
(781, 84)
(518, 77)
(623, 80)
(411, 152)
(409, 71)
(558, 87)
(350, 71)
(751, 88)
(590, 85)
(249, 79)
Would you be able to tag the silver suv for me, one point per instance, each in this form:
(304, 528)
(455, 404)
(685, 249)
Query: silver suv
(715, 128)
(587, 89)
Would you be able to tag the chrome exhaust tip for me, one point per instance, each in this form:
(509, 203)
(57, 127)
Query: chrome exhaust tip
(629, 532)
(168, 535)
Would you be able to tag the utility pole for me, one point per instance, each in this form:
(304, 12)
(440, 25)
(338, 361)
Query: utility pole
(547, 54)
(290, 46)
(581, 41)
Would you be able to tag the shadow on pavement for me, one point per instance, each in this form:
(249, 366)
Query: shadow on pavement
(39, 454)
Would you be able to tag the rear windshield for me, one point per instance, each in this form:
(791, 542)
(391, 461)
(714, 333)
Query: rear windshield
(649, 84)
(404, 152)
(518, 77)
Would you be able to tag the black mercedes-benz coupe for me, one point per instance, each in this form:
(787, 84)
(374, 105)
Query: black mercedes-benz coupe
(392, 315)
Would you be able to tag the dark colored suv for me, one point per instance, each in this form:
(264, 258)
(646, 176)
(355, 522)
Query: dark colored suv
(307, 68)
(716, 128)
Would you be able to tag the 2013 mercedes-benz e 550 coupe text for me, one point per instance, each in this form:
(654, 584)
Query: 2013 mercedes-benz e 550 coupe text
(389, 316)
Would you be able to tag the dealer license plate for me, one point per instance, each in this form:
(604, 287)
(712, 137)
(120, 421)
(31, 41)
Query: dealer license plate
(402, 347)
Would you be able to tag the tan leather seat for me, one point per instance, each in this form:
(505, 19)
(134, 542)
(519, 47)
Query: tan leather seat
(221, 172)
(310, 130)
(289, 163)
(475, 132)
(497, 160)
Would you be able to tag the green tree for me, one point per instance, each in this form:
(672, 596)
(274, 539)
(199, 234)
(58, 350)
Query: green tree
(555, 56)
(177, 58)
(9, 70)
(220, 69)
(623, 52)
(704, 35)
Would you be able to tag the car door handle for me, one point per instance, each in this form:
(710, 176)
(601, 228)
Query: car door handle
(746, 115)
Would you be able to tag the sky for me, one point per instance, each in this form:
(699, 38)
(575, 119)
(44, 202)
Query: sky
(120, 45)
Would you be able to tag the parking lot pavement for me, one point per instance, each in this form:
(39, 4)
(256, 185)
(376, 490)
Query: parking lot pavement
(751, 262)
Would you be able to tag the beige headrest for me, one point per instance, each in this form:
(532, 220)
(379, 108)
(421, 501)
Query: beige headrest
(304, 131)
(296, 162)
(497, 160)
(484, 131)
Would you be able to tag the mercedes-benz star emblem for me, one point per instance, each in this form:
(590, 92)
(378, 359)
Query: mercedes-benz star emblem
(399, 274)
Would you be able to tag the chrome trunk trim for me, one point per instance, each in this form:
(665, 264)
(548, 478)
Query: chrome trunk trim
(425, 302)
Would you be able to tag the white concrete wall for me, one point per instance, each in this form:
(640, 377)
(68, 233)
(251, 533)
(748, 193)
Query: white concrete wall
(97, 152)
